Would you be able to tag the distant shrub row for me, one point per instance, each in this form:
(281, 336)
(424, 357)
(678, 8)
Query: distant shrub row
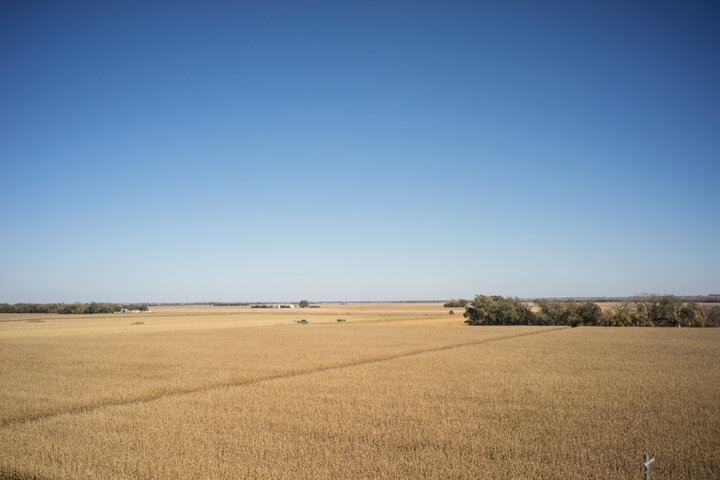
(70, 308)
(456, 303)
(712, 298)
(650, 311)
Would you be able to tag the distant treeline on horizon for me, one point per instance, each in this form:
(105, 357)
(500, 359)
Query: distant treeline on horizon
(72, 308)
(710, 298)
(110, 307)
(642, 311)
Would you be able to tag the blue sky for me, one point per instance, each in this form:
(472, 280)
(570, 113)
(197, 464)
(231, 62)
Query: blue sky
(358, 150)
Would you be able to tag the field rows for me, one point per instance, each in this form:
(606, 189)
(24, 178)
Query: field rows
(43, 377)
(361, 401)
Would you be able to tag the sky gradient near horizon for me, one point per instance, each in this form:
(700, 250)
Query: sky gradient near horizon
(229, 151)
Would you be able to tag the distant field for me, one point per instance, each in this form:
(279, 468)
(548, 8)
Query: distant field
(205, 317)
(397, 391)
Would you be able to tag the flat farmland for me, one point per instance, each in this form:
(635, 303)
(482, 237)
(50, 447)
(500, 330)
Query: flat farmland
(396, 391)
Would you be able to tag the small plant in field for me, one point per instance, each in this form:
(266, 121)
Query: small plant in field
(138, 323)
(451, 312)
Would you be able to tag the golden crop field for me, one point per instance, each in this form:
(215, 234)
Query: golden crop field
(396, 391)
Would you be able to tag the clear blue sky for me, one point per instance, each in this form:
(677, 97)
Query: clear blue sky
(358, 150)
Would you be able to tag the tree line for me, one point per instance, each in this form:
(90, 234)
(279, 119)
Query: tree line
(712, 298)
(456, 303)
(70, 308)
(647, 311)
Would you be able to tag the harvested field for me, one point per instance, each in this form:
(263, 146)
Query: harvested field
(397, 391)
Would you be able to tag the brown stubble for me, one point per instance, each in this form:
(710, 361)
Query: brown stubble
(426, 402)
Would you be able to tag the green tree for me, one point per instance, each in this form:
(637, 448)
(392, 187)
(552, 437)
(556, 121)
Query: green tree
(688, 316)
(590, 314)
(553, 312)
(668, 310)
(497, 310)
(303, 304)
(453, 303)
